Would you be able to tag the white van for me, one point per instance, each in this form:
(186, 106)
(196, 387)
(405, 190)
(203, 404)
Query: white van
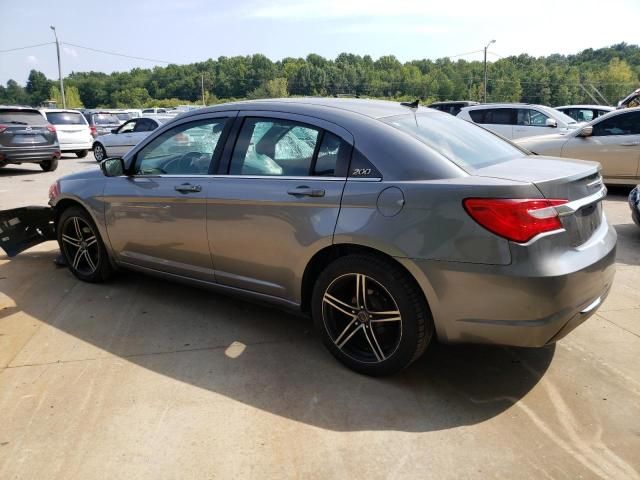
(74, 133)
(518, 120)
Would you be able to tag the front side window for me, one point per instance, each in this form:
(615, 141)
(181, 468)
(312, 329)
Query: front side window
(186, 149)
(127, 127)
(531, 118)
(623, 124)
(274, 147)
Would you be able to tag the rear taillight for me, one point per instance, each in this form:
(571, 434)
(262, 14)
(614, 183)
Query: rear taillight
(54, 190)
(93, 131)
(51, 128)
(3, 128)
(518, 220)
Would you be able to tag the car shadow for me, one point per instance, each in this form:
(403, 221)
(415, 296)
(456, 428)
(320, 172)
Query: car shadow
(616, 193)
(256, 355)
(18, 171)
(628, 252)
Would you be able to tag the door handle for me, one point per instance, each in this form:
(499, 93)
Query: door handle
(188, 188)
(304, 191)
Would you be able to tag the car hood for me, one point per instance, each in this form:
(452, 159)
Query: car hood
(88, 174)
(541, 139)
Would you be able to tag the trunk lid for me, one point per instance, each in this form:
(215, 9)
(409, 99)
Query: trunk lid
(579, 182)
(26, 136)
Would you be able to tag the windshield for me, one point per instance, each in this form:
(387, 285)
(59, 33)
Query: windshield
(105, 119)
(561, 116)
(26, 117)
(65, 118)
(462, 142)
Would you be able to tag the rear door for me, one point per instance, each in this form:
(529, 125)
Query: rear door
(615, 143)
(499, 120)
(277, 202)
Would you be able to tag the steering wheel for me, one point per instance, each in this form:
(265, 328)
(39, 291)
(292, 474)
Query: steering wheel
(185, 162)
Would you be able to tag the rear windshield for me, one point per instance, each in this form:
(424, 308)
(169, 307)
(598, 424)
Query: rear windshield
(22, 117)
(65, 118)
(462, 142)
(105, 119)
(123, 116)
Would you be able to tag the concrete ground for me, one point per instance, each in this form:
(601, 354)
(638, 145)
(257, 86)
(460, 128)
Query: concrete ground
(142, 378)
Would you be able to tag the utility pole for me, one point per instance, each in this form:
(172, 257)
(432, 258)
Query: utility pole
(485, 69)
(202, 79)
(64, 101)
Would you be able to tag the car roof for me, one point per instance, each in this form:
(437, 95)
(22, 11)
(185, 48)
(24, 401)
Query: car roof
(374, 109)
(503, 105)
(60, 110)
(18, 107)
(595, 107)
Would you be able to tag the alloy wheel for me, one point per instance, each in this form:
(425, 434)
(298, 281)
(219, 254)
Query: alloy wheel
(98, 153)
(80, 245)
(362, 318)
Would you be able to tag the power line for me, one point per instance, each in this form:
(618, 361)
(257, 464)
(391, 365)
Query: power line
(28, 46)
(463, 54)
(117, 54)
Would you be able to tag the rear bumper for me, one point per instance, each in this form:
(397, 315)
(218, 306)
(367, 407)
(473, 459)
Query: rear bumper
(521, 304)
(28, 154)
(72, 147)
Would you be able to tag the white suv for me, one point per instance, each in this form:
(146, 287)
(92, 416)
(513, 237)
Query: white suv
(517, 120)
(74, 133)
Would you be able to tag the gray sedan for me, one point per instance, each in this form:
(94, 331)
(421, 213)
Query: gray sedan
(389, 224)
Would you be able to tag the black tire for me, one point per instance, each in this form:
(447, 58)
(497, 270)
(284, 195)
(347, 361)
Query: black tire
(82, 247)
(81, 153)
(348, 333)
(49, 165)
(99, 152)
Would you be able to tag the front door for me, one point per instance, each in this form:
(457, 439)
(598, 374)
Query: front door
(156, 215)
(279, 202)
(615, 143)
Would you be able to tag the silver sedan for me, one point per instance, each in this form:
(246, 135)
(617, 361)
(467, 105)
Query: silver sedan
(123, 138)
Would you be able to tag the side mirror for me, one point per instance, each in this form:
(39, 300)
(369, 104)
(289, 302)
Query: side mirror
(112, 167)
(586, 131)
(114, 130)
(550, 122)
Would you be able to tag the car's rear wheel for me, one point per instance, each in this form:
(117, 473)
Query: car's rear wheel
(81, 153)
(82, 246)
(371, 314)
(49, 165)
(99, 153)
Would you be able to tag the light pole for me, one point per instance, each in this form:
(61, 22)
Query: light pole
(64, 102)
(485, 69)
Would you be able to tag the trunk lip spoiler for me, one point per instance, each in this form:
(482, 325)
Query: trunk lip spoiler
(571, 208)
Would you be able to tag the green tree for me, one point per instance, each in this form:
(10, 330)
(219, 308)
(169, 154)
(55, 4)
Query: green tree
(38, 87)
(135, 97)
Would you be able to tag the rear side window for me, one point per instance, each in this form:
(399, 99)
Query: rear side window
(498, 116)
(623, 124)
(274, 147)
(461, 142)
(22, 117)
(65, 118)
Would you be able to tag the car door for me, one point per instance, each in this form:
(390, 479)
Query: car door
(499, 120)
(277, 200)
(156, 215)
(120, 142)
(530, 122)
(615, 143)
(142, 129)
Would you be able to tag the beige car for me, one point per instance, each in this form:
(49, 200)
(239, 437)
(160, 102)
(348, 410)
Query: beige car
(613, 140)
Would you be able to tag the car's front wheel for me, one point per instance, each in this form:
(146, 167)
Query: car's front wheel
(82, 246)
(99, 153)
(81, 153)
(371, 314)
(49, 165)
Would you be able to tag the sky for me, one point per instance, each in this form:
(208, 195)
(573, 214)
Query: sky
(185, 31)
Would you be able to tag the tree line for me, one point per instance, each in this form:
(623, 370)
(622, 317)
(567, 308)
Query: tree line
(604, 75)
